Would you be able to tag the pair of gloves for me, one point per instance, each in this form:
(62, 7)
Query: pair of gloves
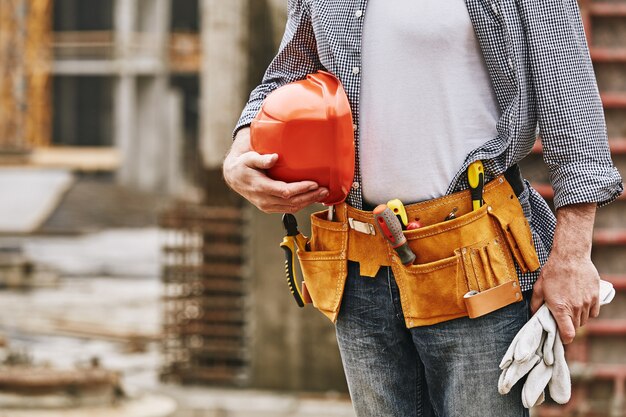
(537, 351)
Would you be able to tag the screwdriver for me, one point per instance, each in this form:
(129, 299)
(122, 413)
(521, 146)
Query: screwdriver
(397, 207)
(391, 228)
(476, 179)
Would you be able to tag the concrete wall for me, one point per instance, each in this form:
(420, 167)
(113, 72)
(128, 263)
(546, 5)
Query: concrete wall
(291, 348)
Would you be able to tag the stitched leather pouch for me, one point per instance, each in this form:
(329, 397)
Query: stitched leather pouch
(473, 253)
(324, 267)
(481, 303)
(455, 257)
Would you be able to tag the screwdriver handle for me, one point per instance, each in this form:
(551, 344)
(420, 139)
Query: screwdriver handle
(391, 229)
(398, 209)
(476, 180)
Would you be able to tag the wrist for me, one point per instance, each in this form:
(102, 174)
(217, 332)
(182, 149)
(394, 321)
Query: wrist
(571, 250)
(240, 145)
(574, 231)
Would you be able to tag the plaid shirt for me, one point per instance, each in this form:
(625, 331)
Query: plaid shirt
(537, 56)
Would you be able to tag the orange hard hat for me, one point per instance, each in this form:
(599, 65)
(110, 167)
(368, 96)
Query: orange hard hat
(309, 125)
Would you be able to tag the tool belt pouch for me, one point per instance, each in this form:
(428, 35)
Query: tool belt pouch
(325, 266)
(465, 266)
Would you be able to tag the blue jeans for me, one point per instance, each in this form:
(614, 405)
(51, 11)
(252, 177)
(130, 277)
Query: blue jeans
(448, 369)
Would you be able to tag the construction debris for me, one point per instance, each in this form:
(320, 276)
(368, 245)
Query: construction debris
(29, 387)
(17, 271)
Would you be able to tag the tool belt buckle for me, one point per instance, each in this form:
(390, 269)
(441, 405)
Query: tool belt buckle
(362, 227)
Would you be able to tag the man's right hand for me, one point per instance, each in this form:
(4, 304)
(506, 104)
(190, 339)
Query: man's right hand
(244, 172)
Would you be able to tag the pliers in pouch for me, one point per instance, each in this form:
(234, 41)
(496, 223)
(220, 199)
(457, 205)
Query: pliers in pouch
(292, 242)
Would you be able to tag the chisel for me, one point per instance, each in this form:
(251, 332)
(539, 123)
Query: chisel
(391, 228)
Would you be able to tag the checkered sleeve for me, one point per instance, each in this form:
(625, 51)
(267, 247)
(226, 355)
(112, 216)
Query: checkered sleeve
(570, 113)
(297, 56)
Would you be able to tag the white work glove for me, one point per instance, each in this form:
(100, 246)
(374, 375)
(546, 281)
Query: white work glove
(537, 350)
(532, 353)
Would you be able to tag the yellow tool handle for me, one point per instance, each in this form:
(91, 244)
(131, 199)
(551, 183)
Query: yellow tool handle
(398, 209)
(289, 247)
(476, 179)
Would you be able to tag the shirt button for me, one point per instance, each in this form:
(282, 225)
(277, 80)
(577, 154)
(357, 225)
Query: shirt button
(358, 13)
(356, 185)
(494, 8)
(510, 63)
(356, 70)
(354, 127)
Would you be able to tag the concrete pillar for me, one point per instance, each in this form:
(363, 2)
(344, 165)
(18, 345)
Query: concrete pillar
(141, 92)
(151, 128)
(175, 141)
(151, 133)
(124, 119)
(224, 73)
(125, 101)
(125, 16)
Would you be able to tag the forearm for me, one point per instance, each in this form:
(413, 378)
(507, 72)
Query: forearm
(241, 143)
(574, 231)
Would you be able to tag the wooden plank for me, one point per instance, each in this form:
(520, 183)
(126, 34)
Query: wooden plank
(618, 280)
(606, 9)
(613, 100)
(599, 54)
(78, 159)
(609, 237)
(185, 53)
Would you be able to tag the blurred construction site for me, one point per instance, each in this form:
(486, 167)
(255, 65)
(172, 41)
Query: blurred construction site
(132, 281)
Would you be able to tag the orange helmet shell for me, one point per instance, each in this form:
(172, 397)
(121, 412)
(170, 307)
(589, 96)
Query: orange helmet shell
(309, 125)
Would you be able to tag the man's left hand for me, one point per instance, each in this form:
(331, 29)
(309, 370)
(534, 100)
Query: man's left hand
(569, 283)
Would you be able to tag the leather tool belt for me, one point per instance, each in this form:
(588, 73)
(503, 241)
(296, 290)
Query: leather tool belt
(464, 266)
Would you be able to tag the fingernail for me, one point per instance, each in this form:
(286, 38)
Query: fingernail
(313, 187)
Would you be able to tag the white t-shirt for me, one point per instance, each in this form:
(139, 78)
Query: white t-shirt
(426, 98)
